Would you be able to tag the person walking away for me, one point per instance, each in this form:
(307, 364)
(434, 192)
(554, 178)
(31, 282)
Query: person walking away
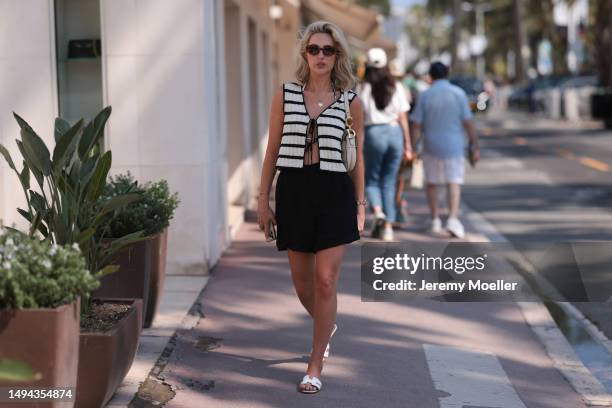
(442, 114)
(401, 204)
(387, 139)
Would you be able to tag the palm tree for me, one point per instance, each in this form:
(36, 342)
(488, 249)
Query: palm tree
(456, 37)
(452, 7)
(519, 39)
(426, 32)
(601, 39)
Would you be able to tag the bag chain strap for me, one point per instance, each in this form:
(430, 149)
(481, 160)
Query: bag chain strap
(349, 118)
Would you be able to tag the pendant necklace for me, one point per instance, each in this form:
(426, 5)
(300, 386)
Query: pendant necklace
(320, 102)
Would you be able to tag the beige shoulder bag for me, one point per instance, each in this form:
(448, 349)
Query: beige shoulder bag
(349, 141)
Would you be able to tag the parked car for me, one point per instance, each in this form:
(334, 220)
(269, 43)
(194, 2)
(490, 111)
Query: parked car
(479, 99)
(532, 96)
(580, 81)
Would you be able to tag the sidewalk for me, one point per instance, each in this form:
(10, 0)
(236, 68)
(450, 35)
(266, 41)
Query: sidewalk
(250, 347)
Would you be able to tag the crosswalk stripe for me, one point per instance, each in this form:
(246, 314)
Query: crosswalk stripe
(470, 378)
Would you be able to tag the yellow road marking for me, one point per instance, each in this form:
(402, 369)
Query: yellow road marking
(585, 160)
(520, 141)
(594, 164)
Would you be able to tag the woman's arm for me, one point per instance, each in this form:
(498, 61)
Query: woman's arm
(269, 165)
(403, 106)
(403, 121)
(358, 171)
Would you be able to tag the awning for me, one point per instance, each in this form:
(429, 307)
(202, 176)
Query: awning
(361, 25)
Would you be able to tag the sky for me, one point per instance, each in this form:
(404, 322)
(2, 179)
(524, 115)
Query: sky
(404, 3)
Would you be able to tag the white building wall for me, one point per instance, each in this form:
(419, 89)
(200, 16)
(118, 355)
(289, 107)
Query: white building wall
(217, 235)
(164, 73)
(159, 73)
(27, 87)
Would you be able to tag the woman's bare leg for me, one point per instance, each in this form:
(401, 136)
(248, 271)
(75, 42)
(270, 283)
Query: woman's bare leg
(302, 266)
(328, 263)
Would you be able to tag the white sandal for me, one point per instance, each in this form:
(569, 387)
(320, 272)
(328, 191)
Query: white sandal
(310, 380)
(327, 349)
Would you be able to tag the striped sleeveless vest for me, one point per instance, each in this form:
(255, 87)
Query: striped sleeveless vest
(329, 125)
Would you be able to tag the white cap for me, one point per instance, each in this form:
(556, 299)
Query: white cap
(377, 57)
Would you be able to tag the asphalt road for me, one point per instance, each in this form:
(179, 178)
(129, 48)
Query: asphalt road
(546, 182)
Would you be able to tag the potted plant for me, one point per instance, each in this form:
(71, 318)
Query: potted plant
(40, 288)
(142, 264)
(62, 208)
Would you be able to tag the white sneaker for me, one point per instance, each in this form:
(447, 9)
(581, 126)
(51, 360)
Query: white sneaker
(387, 234)
(455, 227)
(436, 226)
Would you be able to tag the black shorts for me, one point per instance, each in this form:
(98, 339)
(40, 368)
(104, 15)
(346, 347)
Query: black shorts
(315, 209)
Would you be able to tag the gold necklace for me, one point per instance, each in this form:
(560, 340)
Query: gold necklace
(321, 102)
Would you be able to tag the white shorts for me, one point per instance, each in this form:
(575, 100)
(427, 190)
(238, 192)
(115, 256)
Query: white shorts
(443, 171)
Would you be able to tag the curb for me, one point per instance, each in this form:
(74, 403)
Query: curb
(157, 343)
(544, 327)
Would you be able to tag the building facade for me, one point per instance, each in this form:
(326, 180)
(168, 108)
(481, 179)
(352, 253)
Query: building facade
(190, 84)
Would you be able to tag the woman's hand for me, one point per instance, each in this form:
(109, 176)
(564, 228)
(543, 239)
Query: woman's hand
(408, 154)
(361, 217)
(265, 216)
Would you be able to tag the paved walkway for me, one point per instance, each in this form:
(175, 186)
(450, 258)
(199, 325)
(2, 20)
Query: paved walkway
(250, 348)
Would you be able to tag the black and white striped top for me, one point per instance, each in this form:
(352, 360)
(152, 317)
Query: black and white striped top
(330, 129)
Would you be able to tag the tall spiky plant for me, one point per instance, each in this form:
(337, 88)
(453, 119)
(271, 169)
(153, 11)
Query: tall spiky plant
(62, 204)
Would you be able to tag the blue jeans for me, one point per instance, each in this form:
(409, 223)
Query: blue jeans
(383, 149)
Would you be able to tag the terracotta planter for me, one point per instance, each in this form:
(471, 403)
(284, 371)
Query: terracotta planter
(47, 340)
(132, 280)
(159, 246)
(105, 358)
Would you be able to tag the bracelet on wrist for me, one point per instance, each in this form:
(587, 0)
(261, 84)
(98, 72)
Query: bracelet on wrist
(363, 202)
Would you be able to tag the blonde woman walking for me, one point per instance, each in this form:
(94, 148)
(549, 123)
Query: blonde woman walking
(320, 207)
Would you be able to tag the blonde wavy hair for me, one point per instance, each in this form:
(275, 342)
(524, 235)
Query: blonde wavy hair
(342, 72)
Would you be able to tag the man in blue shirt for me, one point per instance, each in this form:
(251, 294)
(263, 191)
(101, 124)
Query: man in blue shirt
(443, 113)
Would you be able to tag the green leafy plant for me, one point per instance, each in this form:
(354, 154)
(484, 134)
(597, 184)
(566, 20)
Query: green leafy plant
(40, 274)
(62, 205)
(17, 371)
(151, 213)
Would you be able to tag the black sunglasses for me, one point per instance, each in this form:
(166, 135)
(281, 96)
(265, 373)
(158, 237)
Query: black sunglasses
(314, 49)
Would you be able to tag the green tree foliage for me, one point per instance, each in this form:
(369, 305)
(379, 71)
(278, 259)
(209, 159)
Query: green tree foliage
(599, 38)
(428, 31)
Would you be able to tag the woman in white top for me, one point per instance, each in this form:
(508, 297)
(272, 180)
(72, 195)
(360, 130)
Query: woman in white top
(387, 139)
